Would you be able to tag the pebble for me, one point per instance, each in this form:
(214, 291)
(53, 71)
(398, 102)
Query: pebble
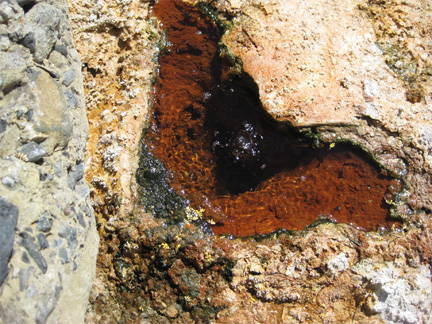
(8, 221)
(30, 246)
(45, 222)
(68, 77)
(33, 151)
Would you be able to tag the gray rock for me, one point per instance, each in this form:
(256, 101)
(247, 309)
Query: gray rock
(9, 10)
(68, 77)
(30, 246)
(72, 99)
(47, 305)
(75, 175)
(45, 222)
(70, 234)
(44, 20)
(3, 123)
(8, 181)
(8, 221)
(12, 67)
(58, 169)
(24, 276)
(4, 44)
(61, 49)
(29, 41)
(64, 256)
(42, 240)
(81, 220)
(33, 151)
(54, 265)
(32, 292)
(25, 258)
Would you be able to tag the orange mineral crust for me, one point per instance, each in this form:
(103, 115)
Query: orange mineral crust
(226, 157)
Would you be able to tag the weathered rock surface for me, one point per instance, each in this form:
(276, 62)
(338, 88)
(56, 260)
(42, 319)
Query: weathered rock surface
(317, 67)
(47, 230)
(345, 75)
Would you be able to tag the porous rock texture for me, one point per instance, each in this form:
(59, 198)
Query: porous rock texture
(342, 70)
(48, 237)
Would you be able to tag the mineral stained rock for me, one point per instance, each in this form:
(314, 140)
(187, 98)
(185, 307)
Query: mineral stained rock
(348, 68)
(339, 69)
(47, 230)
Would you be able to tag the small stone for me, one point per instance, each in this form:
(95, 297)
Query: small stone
(12, 69)
(75, 174)
(8, 181)
(25, 257)
(58, 169)
(29, 42)
(70, 234)
(33, 151)
(81, 220)
(8, 221)
(30, 246)
(24, 276)
(42, 240)
(49, 301)
(58, 243)
(64, 256)
(45, 222)
(61, 49)
(9, 10)
(72, 99)
(44, 20)
(68, 77)
(32, 292)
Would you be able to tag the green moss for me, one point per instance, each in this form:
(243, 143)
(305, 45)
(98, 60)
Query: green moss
(211, 12)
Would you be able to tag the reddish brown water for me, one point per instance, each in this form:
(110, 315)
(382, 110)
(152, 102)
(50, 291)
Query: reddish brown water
(227, 158)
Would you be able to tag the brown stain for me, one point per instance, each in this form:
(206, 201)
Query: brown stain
(225, 156)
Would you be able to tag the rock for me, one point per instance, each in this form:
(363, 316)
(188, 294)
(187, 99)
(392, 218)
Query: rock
(43, 20)
(9, 10)
(68, 77)
(72, 99)
(45, 222)
(47, 122)
(33, 152)
(53, 250)
(12, 67)
(312, 64)
(42, 240)
(8, 221)
(393, 296)
(75, 174)
(61, 49)
(32, 249)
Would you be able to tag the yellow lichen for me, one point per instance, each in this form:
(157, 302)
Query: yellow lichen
(164, 246)
(193, 214)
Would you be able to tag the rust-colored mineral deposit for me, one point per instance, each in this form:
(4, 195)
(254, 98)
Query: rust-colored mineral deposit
(226, 156)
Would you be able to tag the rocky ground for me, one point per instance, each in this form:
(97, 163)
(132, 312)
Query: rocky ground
(357, 71)
(48, 235)
(328, 68)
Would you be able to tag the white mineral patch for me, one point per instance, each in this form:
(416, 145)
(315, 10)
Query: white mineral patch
(399, 297)
(338, 264)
